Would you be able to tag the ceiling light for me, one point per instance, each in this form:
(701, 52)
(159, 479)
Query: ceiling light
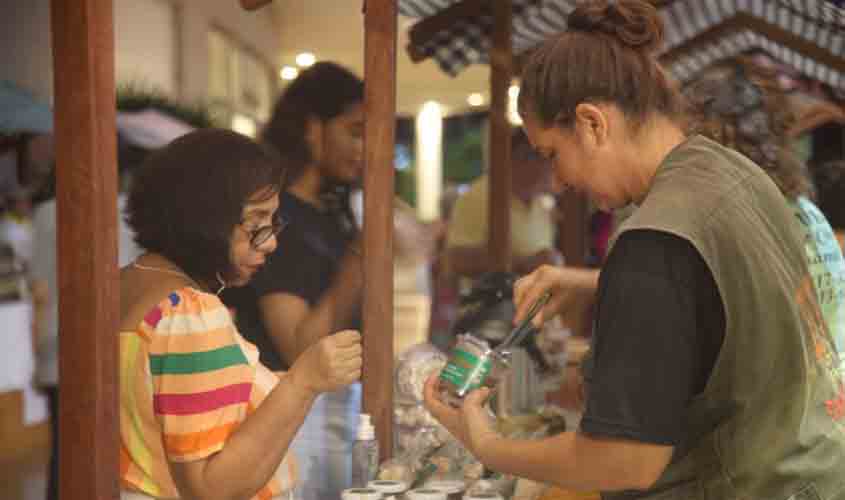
(288, 73)
(475, 99)
(305, 59)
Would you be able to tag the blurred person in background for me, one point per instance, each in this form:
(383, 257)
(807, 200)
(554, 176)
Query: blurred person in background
(467, 257)
(26, 153)
(533, 225)
(740, 104)
(312, 285)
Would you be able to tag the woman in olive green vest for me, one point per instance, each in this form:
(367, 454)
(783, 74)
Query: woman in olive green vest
(713, 373)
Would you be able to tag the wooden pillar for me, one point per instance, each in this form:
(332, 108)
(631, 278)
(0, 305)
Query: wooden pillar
(380, 18)
(501, 70)
(83, 62)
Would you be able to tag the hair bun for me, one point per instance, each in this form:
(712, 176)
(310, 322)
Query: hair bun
(635, 23)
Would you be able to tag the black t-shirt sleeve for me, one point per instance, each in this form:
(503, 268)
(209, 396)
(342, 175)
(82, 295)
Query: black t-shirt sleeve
(659, 326)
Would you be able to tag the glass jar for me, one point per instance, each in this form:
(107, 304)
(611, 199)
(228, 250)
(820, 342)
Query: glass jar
(472, 364)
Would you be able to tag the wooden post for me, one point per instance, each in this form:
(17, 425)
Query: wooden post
(83, 62)
(501, 70)
(380, 18)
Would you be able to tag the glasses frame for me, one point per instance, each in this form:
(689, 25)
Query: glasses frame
(261, 234)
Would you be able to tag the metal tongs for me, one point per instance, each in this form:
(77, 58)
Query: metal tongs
(519, 333)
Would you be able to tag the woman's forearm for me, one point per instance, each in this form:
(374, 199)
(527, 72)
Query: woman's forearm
(574, 461)
(253, 453)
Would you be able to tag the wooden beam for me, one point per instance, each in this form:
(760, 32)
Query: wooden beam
(86, 176)
(380, 17)
(744, 21)
(501, 71)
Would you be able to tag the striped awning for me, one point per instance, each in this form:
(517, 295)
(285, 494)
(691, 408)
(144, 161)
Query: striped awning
(806, 35)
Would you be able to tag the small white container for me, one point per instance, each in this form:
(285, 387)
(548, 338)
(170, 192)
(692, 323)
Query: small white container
(361, 494)
(453, 488)
(388, 489)
(483, 495)
(426, 493)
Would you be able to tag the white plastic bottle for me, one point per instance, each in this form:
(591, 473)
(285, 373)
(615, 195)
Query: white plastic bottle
(364, 454)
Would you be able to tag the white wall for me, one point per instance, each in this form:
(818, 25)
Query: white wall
(255, 29)
(162, 42)
(145, 44)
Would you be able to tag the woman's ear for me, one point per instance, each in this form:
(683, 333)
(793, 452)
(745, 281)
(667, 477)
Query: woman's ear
(314, 131)
(591, 124)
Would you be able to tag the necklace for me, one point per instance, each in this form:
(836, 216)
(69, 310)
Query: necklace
(179, 273)
(161, 269)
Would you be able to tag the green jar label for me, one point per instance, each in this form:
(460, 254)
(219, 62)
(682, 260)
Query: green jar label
(465, 371)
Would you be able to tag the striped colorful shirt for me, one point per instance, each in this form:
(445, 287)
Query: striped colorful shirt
(187, 381)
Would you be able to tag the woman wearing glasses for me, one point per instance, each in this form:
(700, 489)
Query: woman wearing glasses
(200, 417)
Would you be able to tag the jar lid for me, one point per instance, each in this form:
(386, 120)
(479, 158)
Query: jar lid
(483, 495)
(361, 494)
(480, 344)
(388, 487)
(426, 493)
(447, 486)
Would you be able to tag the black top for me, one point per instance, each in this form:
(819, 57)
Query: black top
(304, 264)
(659, 327)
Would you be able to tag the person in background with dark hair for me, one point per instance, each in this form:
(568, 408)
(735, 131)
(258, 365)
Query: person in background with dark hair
(200, 416)
(312, 285)
(713, 374)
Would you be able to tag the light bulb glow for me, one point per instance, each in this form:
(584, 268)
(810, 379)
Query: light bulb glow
(305, 59)
(429, 153)
(288, 73)
(513, 108)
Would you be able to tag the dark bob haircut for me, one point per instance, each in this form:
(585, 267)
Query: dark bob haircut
(324, 91)
(188, 197)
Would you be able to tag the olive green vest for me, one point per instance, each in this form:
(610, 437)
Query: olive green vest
(770, 423)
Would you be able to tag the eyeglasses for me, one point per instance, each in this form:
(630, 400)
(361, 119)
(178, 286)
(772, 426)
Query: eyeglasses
(260, 235)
